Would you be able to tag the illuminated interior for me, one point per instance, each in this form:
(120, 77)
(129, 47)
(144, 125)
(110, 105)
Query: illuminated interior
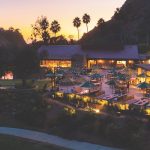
(131, 61)
(142, 79)
(97, 62)
(106, 62)
(8, 76)
(55, 63)
(91, 63)
(148, 111)
(140, 71)
(148, 78)
(100, 61)
(121, 63)
(123, 106)
(148, 73)
(59, 94)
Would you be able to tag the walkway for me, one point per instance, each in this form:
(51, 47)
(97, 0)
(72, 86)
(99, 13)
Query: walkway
(50, 139)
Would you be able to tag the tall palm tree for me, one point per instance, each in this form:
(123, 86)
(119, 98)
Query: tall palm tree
(86, 19)
(100, 22)
(77, 24)
(55, 27)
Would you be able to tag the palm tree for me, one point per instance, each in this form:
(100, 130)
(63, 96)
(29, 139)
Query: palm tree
(86, 19)
(55, 27)
(77, 24)
(100, 22)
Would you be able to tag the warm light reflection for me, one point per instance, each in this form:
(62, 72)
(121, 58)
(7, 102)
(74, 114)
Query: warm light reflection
(97, 111)
(71, 96)
(59, 94)
(55, 63)
(148, 111)
(8, 76)
(21, 14)
(86, 99)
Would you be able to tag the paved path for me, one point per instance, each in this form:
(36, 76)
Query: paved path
(50, 139)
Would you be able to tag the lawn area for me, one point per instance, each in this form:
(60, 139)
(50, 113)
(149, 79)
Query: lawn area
(39, 84)
(9, 82)
(14, 143)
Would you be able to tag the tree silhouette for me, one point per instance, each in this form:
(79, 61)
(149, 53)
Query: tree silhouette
(35, 33)
(77, 24)
(40, 28)
(55, 27)
(26, 64)
(61, 40)
(100, 22)
(11, 29)
(86, 19)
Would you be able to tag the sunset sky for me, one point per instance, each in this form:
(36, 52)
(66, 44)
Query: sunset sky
(22, 13)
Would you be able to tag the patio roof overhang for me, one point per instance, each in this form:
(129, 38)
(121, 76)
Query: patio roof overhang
(144, 66)
(67, 52)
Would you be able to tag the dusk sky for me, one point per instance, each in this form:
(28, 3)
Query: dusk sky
(22, 13)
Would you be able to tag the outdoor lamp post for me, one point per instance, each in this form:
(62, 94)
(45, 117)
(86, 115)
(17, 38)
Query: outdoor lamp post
(54, 78)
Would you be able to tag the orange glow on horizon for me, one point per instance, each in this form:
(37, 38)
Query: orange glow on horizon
(22, 13)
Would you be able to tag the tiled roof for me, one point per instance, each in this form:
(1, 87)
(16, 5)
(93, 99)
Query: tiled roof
(61, 51)
(129, 52)
(144, 66)
(68, 51)
(144, 56)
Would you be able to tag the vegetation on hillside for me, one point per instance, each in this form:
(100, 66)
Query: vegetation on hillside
(11, 43)
(130, 24)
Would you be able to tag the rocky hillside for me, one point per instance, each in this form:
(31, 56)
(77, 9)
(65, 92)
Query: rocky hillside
(129, 25)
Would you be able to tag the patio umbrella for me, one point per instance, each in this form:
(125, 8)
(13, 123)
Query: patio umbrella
(60, 72)
(112, 71)
(143, 85)
(122, 77)
(88, 84)
(96, 76)
(49, 75)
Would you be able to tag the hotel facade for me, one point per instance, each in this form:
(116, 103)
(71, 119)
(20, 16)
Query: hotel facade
(68, 56)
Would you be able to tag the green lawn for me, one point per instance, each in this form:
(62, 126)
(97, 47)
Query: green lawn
(41, 83)
(13, 143)
(9, 82)
(38, 83)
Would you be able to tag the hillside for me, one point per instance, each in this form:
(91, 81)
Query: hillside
(11, 41)
(130, 25)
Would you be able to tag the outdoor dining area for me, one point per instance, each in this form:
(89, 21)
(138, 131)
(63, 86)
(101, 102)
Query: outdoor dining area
(100, 87)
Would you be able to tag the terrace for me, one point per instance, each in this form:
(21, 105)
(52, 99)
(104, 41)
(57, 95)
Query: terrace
(91, 89)
(100, 88)
(74, 55)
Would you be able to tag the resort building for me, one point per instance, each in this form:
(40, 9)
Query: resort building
(145, 58)
(144, 72)
(74, 56)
